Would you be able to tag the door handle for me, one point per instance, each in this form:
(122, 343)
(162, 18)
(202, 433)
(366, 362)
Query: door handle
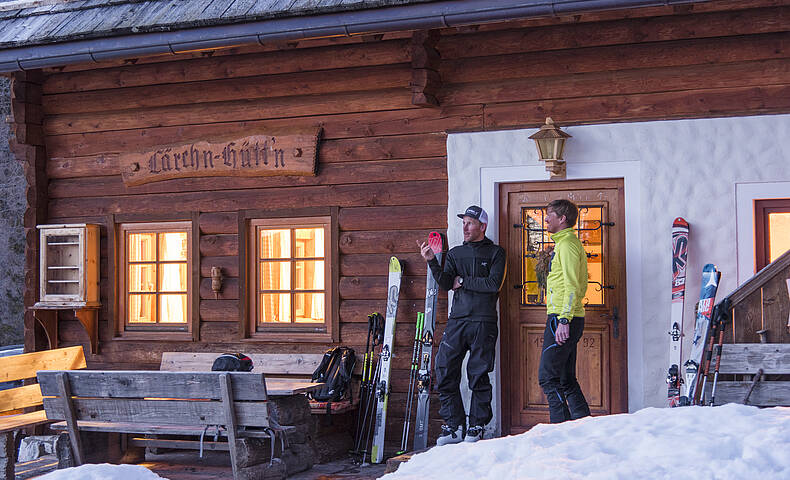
(615, 318)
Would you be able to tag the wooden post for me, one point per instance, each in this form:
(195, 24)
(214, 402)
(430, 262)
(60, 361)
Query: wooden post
(230, 419)
(71, 418)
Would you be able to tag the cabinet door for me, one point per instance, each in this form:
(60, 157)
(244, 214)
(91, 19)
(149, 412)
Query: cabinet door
(62, 275)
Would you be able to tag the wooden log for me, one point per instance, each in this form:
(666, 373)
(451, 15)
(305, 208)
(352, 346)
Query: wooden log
(364, 264)
(628, 82)
(316, 60)
(219, 245)
(355, 334)
(332, 174)
(357, 311)
(389, 194)
(379, 218)
(622, 108)
(220, 333)
(356, 79)
(667, 55)
(219, 310)
(369, 287)
(346, 125)
(220, 222)
(747, 358)
(386, 241)
(244, 110)
(616, 32)
(228, 264)
(230, 289)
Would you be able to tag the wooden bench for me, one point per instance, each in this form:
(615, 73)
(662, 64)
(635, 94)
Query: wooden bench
(14, 401)
(755, 361)
(300, 365)
(232, 405)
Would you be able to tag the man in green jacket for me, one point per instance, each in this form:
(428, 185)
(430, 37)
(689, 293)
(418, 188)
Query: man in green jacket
(566, 286)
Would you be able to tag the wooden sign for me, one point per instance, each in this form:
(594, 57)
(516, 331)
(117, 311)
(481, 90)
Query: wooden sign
(253, 156)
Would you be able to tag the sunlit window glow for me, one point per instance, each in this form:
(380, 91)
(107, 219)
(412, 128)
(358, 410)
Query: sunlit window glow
(157, 277)
(778, 234)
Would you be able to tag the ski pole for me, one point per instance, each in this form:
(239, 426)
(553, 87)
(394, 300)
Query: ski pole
(722, 316)
(412, 377)
(363, 387)
(703, 377)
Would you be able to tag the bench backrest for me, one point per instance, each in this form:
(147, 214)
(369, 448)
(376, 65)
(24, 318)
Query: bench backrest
(25, 366)
(303, 364)
(747, 359)
(155, 397)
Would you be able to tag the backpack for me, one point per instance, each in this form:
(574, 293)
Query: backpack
(335, 372)
(232, 362)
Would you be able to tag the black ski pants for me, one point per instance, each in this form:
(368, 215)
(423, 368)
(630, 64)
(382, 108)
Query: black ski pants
(557, 372)
(479, 339)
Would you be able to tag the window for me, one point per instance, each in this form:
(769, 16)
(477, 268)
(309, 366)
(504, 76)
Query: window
(772, 230)
(156, 276)
(290, 278)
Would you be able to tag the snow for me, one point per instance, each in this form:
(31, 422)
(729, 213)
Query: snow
(727, 442)
(103, 471)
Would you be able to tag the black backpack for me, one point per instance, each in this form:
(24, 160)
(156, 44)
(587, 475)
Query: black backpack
(232, 362)
(335, 371)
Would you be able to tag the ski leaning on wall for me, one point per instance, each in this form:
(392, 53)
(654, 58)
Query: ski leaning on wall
(382, 388)
(710, 283)
(680, 240)
(438, 244)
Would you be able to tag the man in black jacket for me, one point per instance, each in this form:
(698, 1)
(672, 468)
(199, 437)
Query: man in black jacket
(475, 272)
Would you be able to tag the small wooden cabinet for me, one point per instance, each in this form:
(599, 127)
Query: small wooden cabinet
(68, 277)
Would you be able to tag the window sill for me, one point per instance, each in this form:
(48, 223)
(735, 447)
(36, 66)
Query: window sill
(155, 336)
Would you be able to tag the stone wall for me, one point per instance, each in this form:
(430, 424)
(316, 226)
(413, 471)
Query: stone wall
(12, 240)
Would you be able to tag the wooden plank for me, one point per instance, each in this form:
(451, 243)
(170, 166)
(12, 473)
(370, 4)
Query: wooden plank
(348, 125)
(623, 108)
(748, 319)
(20, 397)
(9, 423)
(398, 193)
(368, 287)
(662, 56)
(139, 383)
(222, 222)
(237, 110)
(765, 394)
(363, 264)
(357, 79)
(19, 367)
(382, 241)
(219, 310)
(219, 245)
(357, 311)
(621, 82)
(268, 363)
(616, 32)
(230, 417)
(233, 66)
(773, 358)
(776, 308)
(432, 168)
(156, 429)
(230, 289)
(381, 218)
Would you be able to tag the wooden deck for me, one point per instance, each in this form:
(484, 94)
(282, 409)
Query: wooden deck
(214, 466)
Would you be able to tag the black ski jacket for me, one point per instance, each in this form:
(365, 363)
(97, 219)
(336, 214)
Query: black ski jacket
(482, 266)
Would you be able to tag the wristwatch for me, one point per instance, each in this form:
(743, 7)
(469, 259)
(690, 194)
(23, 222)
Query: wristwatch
(564, 321)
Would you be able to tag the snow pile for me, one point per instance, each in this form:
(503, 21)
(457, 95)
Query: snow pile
(103, 471)
(729, 442)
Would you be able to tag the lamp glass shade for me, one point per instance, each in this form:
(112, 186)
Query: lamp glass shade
(550, 148)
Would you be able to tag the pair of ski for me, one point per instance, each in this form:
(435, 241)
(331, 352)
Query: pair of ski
(693, 385)
(381, 387)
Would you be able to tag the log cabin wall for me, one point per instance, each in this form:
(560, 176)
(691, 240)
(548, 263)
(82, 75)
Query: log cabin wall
(382, 159)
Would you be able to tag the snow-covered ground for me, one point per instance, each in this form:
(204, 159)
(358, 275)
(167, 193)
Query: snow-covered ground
(103, 471)
(729, 442)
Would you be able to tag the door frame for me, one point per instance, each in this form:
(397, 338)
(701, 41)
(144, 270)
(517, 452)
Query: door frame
(507, 371)
(630, 171)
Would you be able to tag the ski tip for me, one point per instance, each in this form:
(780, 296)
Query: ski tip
(680, 222)
(436, 242)
(395, 265)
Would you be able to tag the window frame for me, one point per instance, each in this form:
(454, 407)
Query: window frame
(171, 332)
(250, 222)
(762, 208)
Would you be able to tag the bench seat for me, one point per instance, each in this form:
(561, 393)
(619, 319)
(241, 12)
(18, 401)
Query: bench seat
(10, 423)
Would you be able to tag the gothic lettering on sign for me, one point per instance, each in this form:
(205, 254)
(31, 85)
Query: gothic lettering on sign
(248, 156)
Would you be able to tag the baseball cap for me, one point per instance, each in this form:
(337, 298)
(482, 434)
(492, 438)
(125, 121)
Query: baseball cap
(475, 212)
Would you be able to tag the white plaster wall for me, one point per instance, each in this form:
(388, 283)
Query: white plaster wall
(688, 168)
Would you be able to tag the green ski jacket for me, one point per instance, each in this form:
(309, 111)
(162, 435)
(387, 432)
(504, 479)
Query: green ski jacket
(566, 284)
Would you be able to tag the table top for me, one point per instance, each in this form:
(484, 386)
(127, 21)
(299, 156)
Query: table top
(278, 387)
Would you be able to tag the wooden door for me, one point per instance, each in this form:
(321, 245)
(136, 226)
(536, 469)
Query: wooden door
(602, 362)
